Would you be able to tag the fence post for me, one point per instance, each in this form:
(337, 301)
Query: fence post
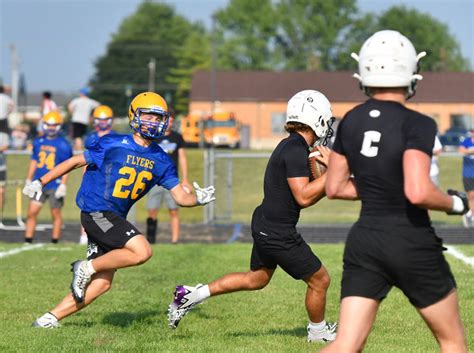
(212, 179)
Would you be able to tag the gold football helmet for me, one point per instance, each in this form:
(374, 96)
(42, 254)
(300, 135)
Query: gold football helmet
(148, 103)
(52, 123)
(103, 116)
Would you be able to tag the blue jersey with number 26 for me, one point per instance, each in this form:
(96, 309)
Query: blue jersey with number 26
(120, 172)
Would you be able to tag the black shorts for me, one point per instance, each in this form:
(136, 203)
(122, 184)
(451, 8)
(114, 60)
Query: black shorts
(3, 177)
(78, 130)
(410, 258)
(468, 184)
(106, 231)
(278, 245)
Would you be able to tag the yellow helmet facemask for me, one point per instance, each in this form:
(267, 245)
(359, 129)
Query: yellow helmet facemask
(148, 103)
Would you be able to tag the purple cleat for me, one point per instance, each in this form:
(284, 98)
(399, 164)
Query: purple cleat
(184, 301)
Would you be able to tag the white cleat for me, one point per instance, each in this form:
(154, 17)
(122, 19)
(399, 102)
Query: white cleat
(184, 301)
(328, 334)
(80, 279)
(48, 320)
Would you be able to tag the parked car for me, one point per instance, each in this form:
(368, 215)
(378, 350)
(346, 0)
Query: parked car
(453, 137)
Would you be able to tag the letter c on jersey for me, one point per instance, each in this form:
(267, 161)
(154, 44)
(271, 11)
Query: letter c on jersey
(368, 149)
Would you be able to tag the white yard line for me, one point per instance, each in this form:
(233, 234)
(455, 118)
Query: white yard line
(460, 256)
(21, 249)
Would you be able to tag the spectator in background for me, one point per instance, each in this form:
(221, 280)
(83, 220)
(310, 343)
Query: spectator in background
(47, 106)
(3, 170)
(6, 107)
(173, 144)
(434, 169)
(467, 149)
(81, 109)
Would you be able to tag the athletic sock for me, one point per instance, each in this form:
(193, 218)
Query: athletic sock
(28, 240)
(90, 268)
(48, 316)
(320, 326)
(202, 293)
(151, 228)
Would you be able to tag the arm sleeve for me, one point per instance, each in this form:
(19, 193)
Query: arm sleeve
(169, 179)
(421, 134)
(466, 143)
(90, 139)
(94, 155)
(337, 146)
(295, 158)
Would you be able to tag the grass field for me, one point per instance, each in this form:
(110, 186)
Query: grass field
(247, 193)
(132, 316)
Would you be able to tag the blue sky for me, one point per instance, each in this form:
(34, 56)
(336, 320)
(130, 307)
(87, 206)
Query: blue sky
(59, 40)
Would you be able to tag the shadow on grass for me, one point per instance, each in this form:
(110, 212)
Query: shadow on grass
(296, 332)
(126, 319)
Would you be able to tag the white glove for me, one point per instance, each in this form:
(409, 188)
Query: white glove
(60, 191)
(204, 195)
(33, 189)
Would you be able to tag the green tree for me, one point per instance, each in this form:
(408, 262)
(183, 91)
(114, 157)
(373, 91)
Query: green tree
(308, 30)
(426, 33)
(194, 54)
(244, 33)
(153, 31)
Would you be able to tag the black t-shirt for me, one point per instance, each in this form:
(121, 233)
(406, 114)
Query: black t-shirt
(171, 144)
(288, 160)
(374, 136)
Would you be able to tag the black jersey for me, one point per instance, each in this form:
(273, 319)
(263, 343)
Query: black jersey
(373, 136)
(171, 143)
(288, 160)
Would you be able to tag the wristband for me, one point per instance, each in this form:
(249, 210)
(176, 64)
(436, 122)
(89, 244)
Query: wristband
(41, 181)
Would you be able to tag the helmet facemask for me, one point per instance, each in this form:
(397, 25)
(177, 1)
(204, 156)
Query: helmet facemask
(102, 124)
(313, 109)
(51, 130)
(326, 136)
(150, 130)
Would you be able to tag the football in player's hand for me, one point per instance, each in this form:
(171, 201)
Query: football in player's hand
(316, 168)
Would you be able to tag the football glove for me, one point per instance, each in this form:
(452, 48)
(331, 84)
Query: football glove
(33, 189)
(460, 202)
(60, 191)
(204, 195)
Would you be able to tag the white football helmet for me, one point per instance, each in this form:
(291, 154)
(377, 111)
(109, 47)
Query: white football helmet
(311, 108)
(388, 59)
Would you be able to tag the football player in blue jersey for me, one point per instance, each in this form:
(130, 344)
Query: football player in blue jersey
(102, 117)
(49, 150)
(121, 169)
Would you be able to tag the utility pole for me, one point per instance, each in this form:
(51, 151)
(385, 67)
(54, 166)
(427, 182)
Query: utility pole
(15, 74)
(151, 74)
